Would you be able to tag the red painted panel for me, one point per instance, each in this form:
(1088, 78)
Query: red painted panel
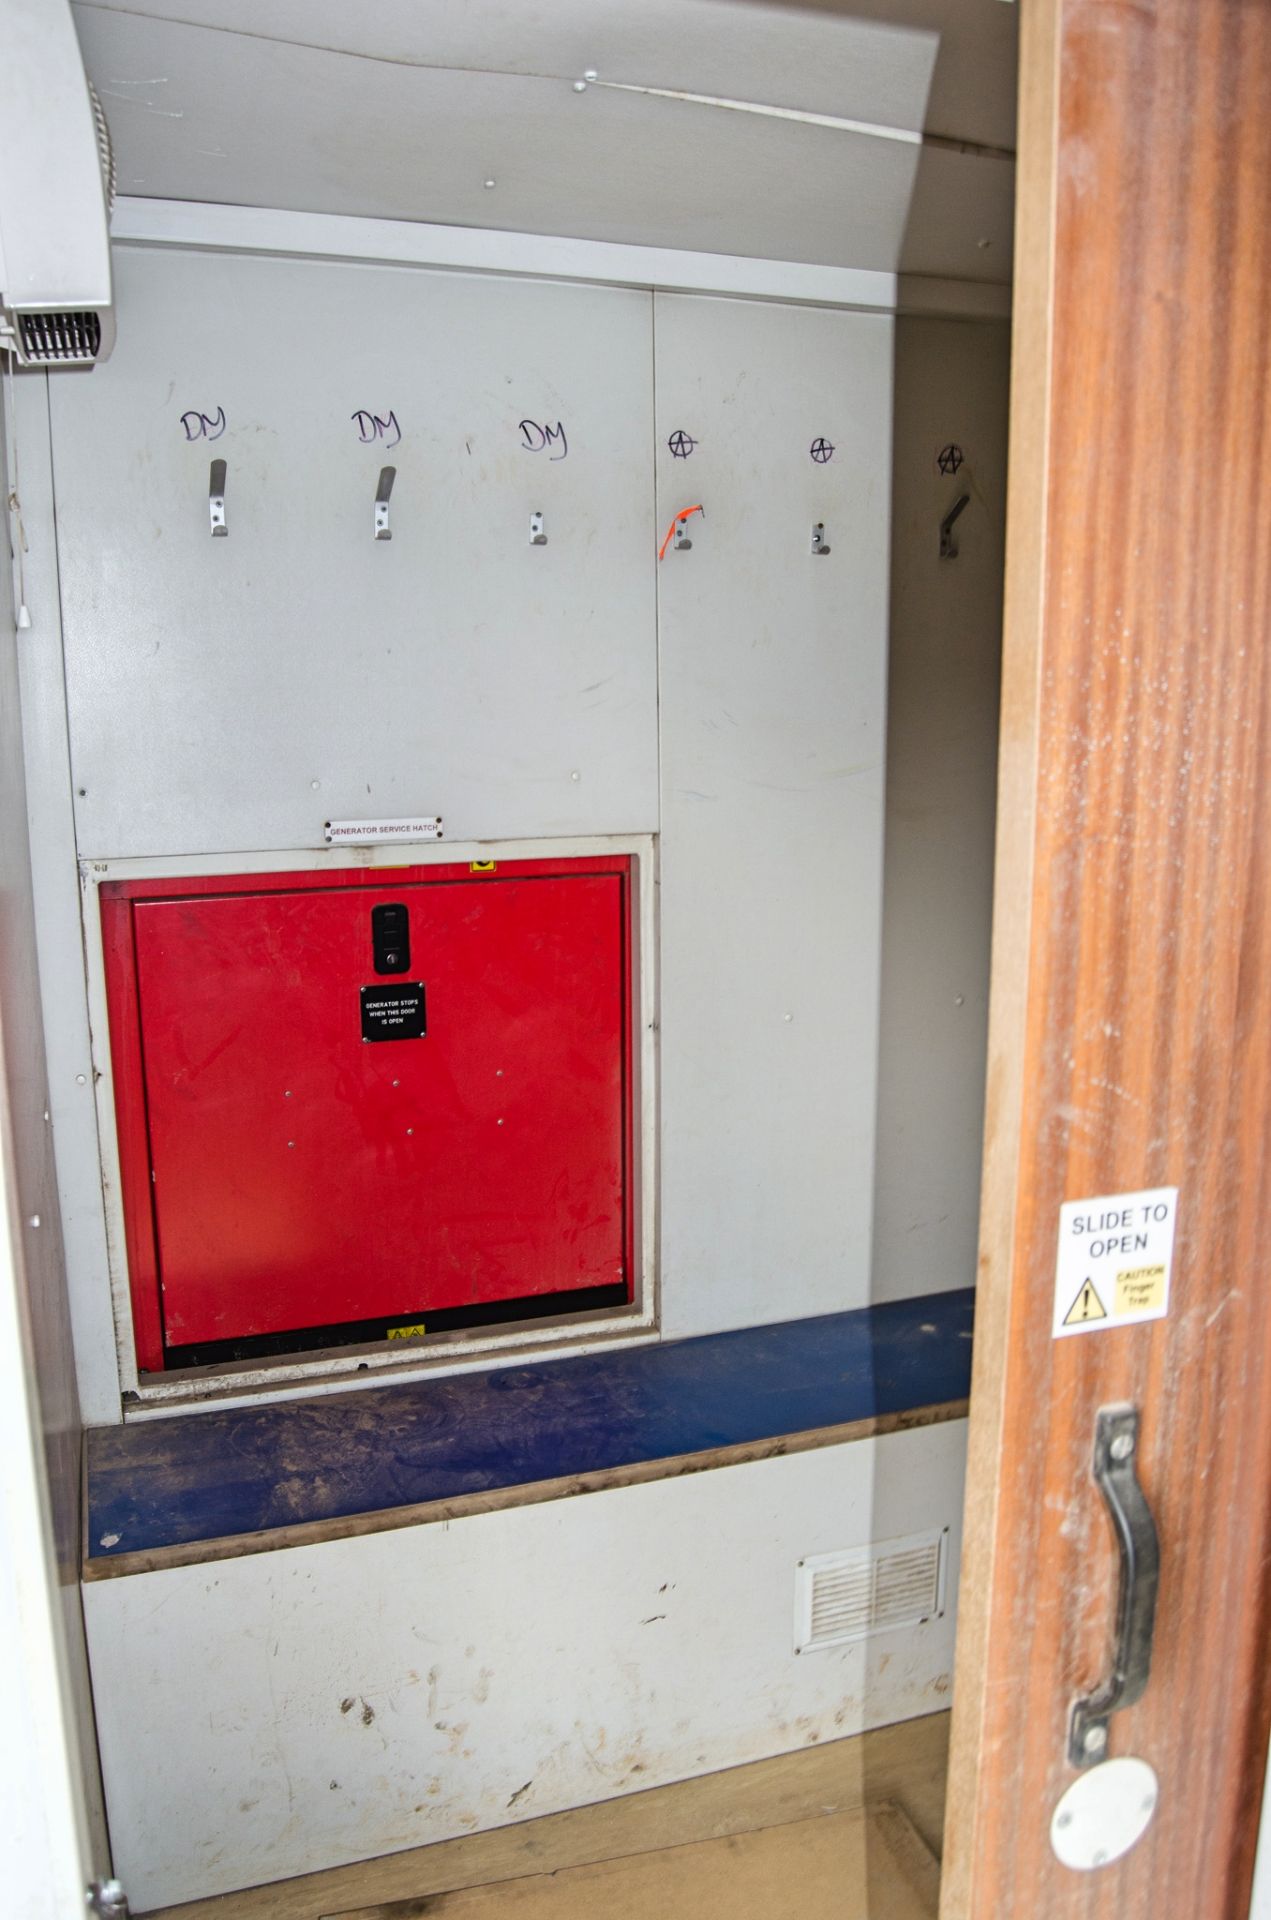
(305, 1177)
(130, 1123)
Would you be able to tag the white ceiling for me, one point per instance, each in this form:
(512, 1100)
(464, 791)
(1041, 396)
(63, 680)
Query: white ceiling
(405, 109)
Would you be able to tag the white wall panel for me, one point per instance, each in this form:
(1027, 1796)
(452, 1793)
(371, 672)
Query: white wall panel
(946, 644)
(773, 675)
(611, 263)
(49, 1786)
(290, 1711)
(211, 683)
(58, 923)
(232, 694)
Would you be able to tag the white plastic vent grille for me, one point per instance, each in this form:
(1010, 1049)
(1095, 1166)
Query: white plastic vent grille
(870, 1589)
(54, 339)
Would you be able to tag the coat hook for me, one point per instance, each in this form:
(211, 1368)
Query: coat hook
(948, 538)
(818, 538)
(382, 529)
(537, 537)
(678, 531)
(216, 500)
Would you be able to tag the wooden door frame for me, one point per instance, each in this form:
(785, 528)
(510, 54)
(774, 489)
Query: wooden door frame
(1022, 616)
(1130, 1021)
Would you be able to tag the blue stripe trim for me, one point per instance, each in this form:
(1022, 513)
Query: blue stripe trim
(173, 1482)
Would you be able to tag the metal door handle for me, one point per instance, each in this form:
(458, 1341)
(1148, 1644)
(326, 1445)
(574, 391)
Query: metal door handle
(1116, 1441)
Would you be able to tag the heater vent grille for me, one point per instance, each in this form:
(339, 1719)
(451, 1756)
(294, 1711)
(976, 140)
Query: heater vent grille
(60, 339)
(869, 1589)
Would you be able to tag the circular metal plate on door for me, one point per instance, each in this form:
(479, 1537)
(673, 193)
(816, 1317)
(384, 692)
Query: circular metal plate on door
(1104, 1812)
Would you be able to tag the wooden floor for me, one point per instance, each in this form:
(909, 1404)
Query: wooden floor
(846, 1831)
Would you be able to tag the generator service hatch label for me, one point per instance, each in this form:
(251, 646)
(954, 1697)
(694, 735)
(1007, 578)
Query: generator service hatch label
(394, 1013)
(376, 832)
(1113, 1268)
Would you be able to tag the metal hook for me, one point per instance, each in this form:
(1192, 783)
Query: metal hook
(948, 539)
(382, 529)
(216, 500)
(818, 538)
(678, 531)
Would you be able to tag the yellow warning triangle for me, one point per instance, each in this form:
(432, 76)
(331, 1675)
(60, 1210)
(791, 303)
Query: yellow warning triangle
(1087, 1306)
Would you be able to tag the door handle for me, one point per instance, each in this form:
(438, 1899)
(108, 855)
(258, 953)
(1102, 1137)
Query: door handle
(1116, 1443)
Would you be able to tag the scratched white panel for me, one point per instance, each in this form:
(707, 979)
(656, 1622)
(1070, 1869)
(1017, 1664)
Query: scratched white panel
(773, 675)
(232, 694)
(293, 1711)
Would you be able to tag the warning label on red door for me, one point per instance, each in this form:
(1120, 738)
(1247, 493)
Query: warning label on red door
(1113, 1268)
(394, 1013)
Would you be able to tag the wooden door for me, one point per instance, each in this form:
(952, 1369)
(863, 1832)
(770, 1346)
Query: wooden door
(1130, 1043)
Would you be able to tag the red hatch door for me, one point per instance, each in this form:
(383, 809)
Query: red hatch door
(332, 1144)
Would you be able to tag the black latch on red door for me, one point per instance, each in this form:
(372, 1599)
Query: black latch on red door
(390, 938)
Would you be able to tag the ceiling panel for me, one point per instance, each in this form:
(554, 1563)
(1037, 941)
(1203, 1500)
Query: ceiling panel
(265, 124)
(765, 51)
(973, 88)
(413, 105)
(962, 217)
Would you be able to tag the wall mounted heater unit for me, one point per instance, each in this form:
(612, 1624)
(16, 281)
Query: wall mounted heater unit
(56, 191)
(358, 1105)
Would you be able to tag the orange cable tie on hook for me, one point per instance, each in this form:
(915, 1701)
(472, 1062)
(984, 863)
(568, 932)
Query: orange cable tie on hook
(678, 521)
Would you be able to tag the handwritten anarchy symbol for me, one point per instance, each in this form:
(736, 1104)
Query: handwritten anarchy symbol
(822, 450)
(681, 444)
